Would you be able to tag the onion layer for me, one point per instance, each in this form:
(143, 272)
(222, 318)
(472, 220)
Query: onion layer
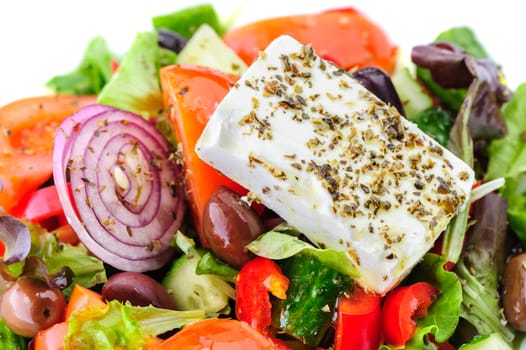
(120, 186)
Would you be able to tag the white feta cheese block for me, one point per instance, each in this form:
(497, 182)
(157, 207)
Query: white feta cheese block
(335, 162)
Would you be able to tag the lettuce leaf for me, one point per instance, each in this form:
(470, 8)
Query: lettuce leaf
(282, 242)
(507, 158)
(135, 86)
(123, 325)
(91, 75)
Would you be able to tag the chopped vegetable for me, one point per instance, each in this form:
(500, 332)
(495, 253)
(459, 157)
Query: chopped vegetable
(135, 86)
(355, 41)
(11, 340)
(192, 291)
(191, 94)
(222, 333)
(27, 128)
(358, 324)
(94, 71)
(400, 309)
(507, 158)
(123, 325)
(15, 238)
(39, 206)
(311, 298)
(435, 122)
(481, 264)
(259, 277)
(188, 20)
(206, 48)
(282, 242)
(126, 199)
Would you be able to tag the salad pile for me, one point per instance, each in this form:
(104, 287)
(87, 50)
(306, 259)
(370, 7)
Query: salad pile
(115, 234)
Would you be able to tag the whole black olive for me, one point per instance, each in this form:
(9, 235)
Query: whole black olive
(229, 224)
(30, 305)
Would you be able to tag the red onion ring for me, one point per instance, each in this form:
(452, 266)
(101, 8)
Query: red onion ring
(120, 187)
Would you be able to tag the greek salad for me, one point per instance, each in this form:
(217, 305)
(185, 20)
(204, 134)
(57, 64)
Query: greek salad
(259, 186)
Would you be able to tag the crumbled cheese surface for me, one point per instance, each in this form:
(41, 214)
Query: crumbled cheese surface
(335, 162)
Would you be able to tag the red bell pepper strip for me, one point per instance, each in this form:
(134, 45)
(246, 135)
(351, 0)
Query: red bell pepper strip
(401, 307)
(344, 35)
(358, 325)
(39, 205)
(255, 280)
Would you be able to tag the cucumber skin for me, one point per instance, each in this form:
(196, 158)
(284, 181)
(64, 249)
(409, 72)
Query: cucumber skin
(307, 312)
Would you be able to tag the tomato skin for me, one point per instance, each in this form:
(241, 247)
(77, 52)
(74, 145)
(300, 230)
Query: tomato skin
(401, 307)
(358, 325)
(217, 334)
(51, 338)
(191, 94)
(27, 129)
(82, 297)
(345, 36)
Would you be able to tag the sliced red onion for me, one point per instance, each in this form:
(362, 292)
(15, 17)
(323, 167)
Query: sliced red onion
(120, 187)
(16, 239)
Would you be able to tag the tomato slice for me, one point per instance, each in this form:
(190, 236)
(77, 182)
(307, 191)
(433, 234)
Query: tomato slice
(401, 307)
(82, 297)
(27, 129)
(344, 36)
(358, 324)
(217, 334)
(51, 338)
(191, 94)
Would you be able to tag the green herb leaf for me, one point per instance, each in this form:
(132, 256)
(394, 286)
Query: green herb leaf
(280, 244)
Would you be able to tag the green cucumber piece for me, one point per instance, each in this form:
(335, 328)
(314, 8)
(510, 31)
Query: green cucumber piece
(307, 311)
(186, 21)
(492, 341)
(207, 49)
(191, 291)
(436, 122)
(411, 92)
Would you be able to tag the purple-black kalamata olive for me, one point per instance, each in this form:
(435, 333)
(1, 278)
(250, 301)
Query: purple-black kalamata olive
(514, 294)
(137, 288)
(171, 40)
(30, 305)
(229, 224)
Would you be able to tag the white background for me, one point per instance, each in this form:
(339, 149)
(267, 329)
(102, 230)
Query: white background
(39, 39)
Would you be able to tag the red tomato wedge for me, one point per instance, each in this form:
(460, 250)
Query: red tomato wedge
(358, 325)
(52, 338)
(191, 94)
(344, 36)
(217, 334)
(27, 129)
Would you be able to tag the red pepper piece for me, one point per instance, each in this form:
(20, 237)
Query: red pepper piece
(401, 307)
(255, 280)
(358, 325)
(39, 205)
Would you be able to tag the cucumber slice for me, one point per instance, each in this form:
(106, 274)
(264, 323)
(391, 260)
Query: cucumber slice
(192, 291)
(412, 94)
(206, 48)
